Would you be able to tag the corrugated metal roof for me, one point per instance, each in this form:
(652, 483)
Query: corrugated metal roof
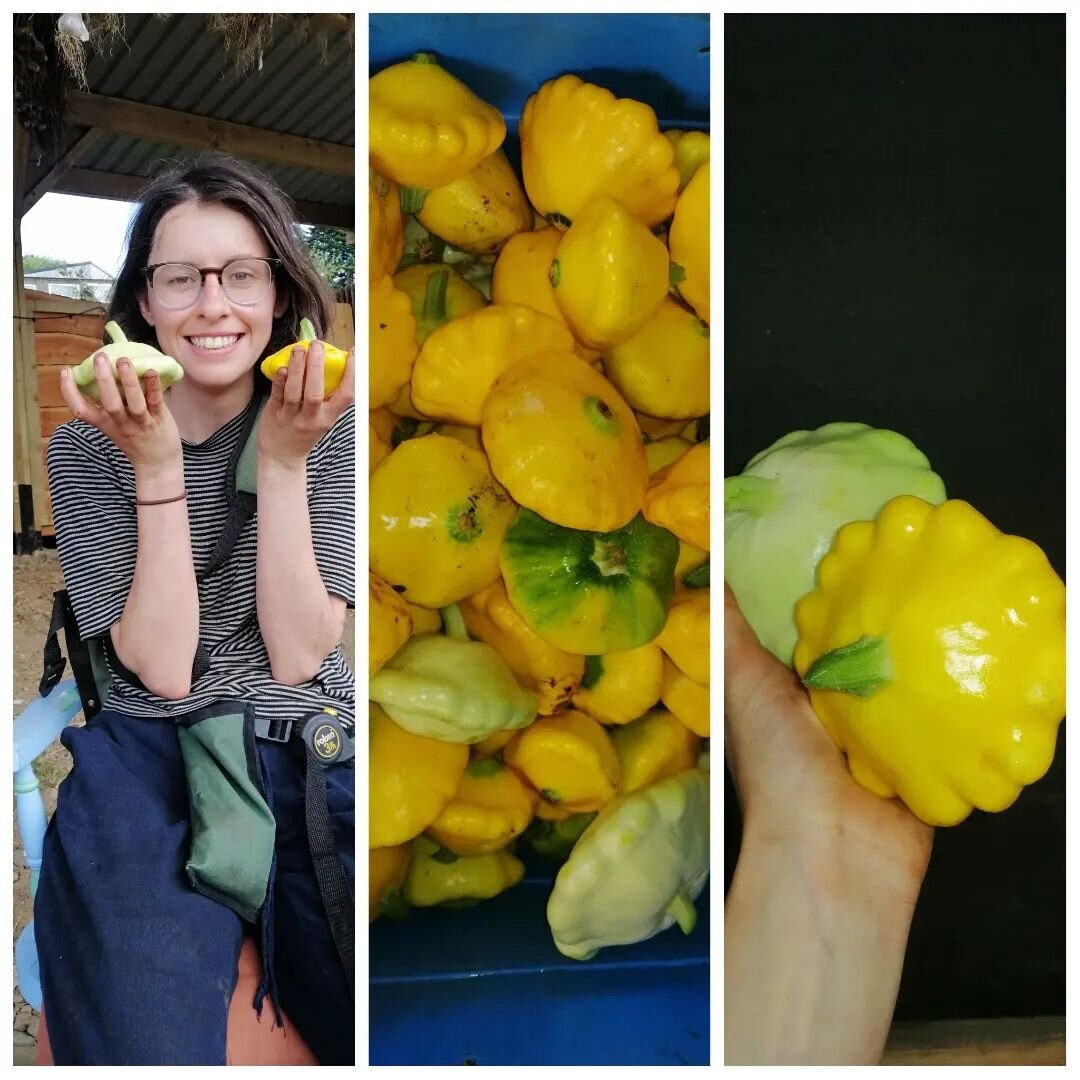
(178, 63)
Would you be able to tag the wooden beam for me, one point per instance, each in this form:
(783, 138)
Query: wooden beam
(48, 181)
(1034, 1040)
(170, 126)
(29, 471)
(106, 185)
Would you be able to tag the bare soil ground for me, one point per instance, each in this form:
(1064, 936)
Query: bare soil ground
(36, 578)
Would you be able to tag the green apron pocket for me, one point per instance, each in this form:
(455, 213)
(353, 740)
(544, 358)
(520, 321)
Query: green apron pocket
(232, 827)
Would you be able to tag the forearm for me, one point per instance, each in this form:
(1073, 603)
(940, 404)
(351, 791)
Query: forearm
(299, 620)
(813, 949)
(158, 632)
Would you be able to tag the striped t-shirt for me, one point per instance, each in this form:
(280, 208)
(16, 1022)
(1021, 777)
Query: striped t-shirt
(92, 484)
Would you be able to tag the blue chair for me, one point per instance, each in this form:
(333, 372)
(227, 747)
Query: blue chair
(36, 728)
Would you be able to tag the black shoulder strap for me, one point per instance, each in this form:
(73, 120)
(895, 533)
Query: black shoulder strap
(79, 653)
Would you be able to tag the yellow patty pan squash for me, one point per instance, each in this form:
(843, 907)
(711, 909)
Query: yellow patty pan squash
(437, 519)
(424, 620)
(663, 370)
(933, 647)
(492, 805)
(621, 686)
(609, 274)
(655, 428)
(521, 274)
(461, 360)
(437, 293)
(389, 622)
(392, 346)
(688, 240)
(652, 748)
(564, 443)
(386, 875)
(378, 447)
(686, 699)
(386, 227)
(480, 211)
(578, 141)
(553, 675)
(691, 150)
(690, 559)
(685, 637)
(662, 452)
(470, 436)
(678, 497)
(437, 876)
(570, 759)
(427, 128)
(410, 779)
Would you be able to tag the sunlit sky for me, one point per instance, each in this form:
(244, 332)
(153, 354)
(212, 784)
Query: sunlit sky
(76, 229)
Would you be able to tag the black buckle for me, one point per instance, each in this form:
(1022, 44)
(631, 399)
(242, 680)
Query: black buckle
(325, 736)
(273, 729)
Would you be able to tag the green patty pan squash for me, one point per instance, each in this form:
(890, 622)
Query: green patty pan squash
(637, 869)
(782, 512)
(144, 358)
(589, 593)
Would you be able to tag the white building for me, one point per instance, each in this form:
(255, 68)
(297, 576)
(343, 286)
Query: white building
(80, 281)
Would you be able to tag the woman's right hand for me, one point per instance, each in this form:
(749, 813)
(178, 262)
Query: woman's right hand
(140, 425)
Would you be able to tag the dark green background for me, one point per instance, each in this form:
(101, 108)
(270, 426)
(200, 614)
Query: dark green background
(895, 254)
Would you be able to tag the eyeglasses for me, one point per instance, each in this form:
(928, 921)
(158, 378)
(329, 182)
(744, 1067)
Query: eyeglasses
(179, 285)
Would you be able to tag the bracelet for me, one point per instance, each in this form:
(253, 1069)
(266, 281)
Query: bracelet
(161, 502)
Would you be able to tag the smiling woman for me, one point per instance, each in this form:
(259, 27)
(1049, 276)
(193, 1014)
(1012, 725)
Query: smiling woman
(221, 634)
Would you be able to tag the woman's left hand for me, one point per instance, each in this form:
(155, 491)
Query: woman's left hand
(297, 414)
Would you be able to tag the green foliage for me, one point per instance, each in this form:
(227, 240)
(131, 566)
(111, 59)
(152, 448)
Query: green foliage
(33, 263)
(334, 257)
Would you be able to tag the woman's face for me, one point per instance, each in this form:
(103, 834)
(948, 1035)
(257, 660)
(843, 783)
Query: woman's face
(217, 342)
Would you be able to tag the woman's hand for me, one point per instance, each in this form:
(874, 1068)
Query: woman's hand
(140, 425)
(297, 415)
(791, 778)
(817, 917)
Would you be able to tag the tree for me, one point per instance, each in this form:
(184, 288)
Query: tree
(334, 257)
(32, 263)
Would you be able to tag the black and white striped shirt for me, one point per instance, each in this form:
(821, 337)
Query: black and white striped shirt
(92, 485)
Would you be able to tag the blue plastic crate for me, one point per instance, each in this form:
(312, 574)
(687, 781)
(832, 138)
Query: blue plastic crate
(485, 985)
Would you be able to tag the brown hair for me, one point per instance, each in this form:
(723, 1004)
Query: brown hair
(217, 178)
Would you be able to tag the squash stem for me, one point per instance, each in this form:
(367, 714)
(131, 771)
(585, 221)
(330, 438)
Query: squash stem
(862, 668)
(307, 330)
(454, 623)
(753, 495)
(116, 335)
(683, 911)
(435, 298)
(412, 199)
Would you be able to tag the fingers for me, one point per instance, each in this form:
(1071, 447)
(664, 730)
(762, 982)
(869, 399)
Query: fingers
(108, 391)
(294, 381)
(133, 393)
(314, 379)
(82, 408)
(342, 397)
(155, 395)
